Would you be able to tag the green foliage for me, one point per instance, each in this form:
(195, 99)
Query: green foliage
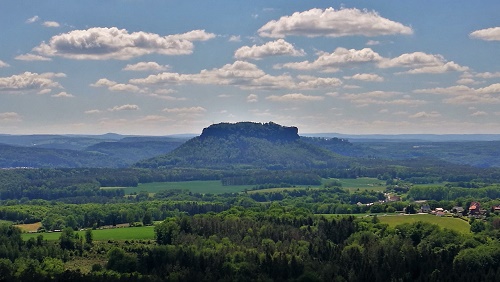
(166, 232)
(120, 261)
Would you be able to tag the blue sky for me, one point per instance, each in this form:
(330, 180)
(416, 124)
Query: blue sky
(165, 67)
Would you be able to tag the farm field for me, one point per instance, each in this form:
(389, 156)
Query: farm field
(444, 222)
(119, 234)
(362, 183)
(203, 187)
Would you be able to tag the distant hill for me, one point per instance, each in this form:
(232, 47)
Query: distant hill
(247, 145)
(64, 151)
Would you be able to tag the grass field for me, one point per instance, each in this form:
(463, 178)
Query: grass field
(444, 222)
(118, 234)
(204, 187)
(362, 183)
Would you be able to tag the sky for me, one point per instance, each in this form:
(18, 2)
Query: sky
(151, 67)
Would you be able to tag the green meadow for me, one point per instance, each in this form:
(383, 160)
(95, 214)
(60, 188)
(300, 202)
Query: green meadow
(203, 187)
(118, 234)
(456, 224)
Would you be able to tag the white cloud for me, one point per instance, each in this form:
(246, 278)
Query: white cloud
(188, 110)
(372, 42)
(466, 81)
(447, 67)
(145, 66)
(194, 35)
(62, 95)
(274, 48)
(241, 74)
(432, 114)
(29, 81)
(421, 63)
(252, 98)
(10, 117)
(312, 82)
(45, 91)
(127, 107)
(366, 77)
(235, 38)
(487, 75)
(121, 87)
(332, 23)
(493, 88)
(462, 95)
(114, 86)
(101, 43)
(488, 34)
(381, 98)
(32, 57)
(51, 24)
(332, 61)
(104, 82)
(295, 97)
(91, 112)
(3, 64)
(479, 114)
(153, 118)
(413, 60)
(32, 19)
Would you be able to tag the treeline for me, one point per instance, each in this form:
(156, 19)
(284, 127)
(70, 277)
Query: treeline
(439, 193)
(58, 216)
(279, 244)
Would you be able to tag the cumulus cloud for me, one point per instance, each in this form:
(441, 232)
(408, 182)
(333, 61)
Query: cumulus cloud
(32, 19)
(241, 74)
(3, 64)
(312, 82)
(421, 62)
(333, 23)
(116, 87)
(488, 34)
(127, 107)
(145, 66)
(51, 24)
(332, 61)
(487, 75)
(187, 110)
(252, 98)
(274, 48)
(63, 94)
(432, 114)
(29, 81)
(462, 94)
(32, 57)
(10, 117)
(366, 77)
(294, 97)
(101, 43)
(447, 67)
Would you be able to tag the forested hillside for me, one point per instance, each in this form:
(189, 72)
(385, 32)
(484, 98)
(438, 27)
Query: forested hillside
(248, 145)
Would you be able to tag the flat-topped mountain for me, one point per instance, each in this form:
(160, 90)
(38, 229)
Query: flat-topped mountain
(247, 145)
(269, 131)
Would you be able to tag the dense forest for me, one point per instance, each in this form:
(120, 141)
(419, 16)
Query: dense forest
(296, 219)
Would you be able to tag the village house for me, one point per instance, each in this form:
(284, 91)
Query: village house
(475, 209)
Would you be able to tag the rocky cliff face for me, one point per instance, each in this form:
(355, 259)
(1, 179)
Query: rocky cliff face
(269, 131)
